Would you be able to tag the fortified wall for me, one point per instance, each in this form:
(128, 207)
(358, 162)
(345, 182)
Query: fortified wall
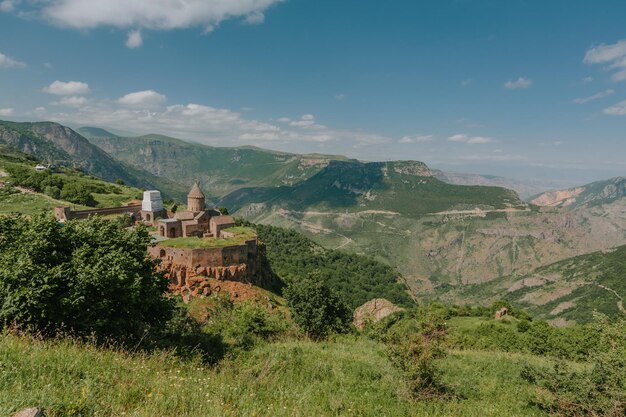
(191, 270)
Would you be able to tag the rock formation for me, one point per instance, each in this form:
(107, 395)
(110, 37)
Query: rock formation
(373, 311)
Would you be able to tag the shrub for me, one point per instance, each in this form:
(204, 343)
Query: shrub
(316, 309)
(88, 277)
(597, 390)
(414, 341)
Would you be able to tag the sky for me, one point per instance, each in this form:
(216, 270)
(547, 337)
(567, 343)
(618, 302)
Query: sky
(526, 88)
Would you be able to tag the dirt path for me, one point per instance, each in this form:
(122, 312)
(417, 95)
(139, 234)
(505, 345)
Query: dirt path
(480, 212)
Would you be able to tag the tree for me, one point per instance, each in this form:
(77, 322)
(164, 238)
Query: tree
(316, 309)
(87, 277)
(223, 211)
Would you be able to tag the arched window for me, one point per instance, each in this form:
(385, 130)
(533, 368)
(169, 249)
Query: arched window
(162, 253)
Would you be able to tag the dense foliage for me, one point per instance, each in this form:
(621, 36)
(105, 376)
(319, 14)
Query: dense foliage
(415, 340)
(87, 277)
(357, 279)
(595, 390)
(72, 186)
(316, 309)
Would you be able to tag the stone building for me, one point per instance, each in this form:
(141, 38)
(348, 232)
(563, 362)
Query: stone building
(196, 220)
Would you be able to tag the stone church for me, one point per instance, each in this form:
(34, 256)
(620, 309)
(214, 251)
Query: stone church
(195, 221)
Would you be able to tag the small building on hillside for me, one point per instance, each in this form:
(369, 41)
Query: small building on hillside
(40, 168)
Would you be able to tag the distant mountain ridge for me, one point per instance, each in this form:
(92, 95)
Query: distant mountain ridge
(525, 188)
(599, 192)
(54, 143)
(401, 187)
(219, 170)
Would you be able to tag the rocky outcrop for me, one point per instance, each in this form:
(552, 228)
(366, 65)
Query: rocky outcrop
(30, 412)
(373, 311)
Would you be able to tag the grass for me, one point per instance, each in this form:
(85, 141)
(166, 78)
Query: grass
(243, 234)
(349, 376)
(31, 204)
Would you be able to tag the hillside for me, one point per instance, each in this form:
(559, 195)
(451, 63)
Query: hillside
(26, 191)
(564, 292)
(596, 193)
(219, 170)
(440, 237)
(60, 145)
(405, 188)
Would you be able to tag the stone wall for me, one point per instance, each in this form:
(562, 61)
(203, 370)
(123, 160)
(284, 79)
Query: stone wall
(65, 213)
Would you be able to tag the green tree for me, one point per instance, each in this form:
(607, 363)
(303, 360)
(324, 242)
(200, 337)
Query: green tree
(88, 277)
(316, 309)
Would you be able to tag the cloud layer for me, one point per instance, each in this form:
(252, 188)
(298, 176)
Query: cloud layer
(521, 82)
(613, 55)
(596, 96)
(67, 88)
(8, 62)
(153, 14)
(471, 140)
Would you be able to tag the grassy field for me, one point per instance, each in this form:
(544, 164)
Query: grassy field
(348, 376)
(31, 204)
(243, 234)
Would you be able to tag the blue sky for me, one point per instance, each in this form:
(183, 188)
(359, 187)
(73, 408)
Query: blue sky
(530, 89)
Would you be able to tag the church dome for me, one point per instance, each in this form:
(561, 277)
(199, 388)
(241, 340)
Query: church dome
(195, 192)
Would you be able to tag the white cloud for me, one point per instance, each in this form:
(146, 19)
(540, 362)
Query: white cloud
(472, 140)
(587, 79)
(521, 82)
(134, 39)
(6, 112)
(72, 101)
(467, 82)
(7, 62)
(416, 139)
(596, 96)
(340, 97)
(153, 14)
(7, 6)
(255, 18)
(617, 110)
(69, 88)
(47, 65)
(283, 120)
(498, 157)
(614, 55)
(142, 99)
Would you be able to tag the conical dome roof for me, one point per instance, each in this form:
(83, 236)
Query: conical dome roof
(195, 192)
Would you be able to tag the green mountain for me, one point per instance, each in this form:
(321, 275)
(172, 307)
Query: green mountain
(405, 188)
(220, 171)
(596, 193)
(441, 237)
(566, 291)
(57, 144)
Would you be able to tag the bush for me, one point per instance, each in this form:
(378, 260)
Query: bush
(597, 390)
(316, 309)
(87, 277)
(414, 341)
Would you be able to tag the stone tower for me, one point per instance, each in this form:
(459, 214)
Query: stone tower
(152, 206)
(195, 199)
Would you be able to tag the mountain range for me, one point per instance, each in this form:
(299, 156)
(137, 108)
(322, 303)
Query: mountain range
(451, 241)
